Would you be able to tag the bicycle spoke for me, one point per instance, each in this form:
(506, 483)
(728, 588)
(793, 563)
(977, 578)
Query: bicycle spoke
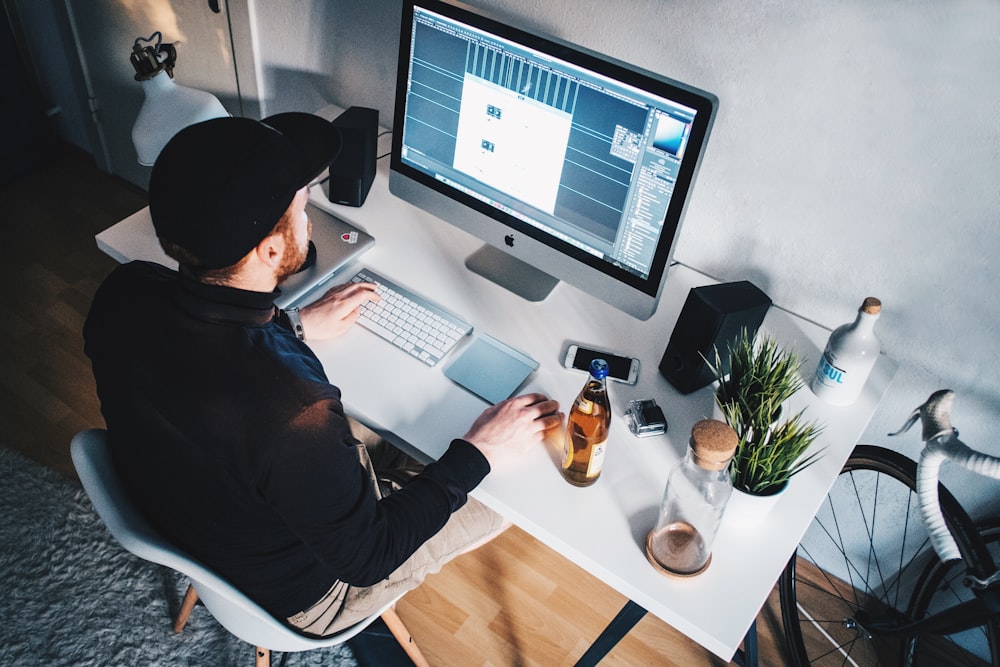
(886, 590)
(836, 647)
(833, 586)
(902, 564)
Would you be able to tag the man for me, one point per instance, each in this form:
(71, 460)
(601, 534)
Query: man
(223, 425)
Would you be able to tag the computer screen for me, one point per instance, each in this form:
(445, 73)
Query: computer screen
(571, 166)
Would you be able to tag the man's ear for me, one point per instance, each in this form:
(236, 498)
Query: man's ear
(271, 249)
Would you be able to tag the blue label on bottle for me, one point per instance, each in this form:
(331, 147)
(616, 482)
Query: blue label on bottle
(827, 372)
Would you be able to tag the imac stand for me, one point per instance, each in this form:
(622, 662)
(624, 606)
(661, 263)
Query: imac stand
(511, 273)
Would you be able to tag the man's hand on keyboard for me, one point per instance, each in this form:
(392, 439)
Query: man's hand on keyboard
(507, 429)
(333, 313)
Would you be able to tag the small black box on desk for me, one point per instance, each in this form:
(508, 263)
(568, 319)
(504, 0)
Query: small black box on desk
(712, 317)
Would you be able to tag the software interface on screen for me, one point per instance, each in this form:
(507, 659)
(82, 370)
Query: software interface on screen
(585, 158)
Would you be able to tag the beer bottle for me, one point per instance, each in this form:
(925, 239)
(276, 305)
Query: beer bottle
(587, 429)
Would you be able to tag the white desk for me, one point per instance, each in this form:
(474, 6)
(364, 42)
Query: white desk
(601, 528)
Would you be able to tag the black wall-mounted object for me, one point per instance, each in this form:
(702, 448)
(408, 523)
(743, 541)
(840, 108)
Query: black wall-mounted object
(712, 317)
(352, 173)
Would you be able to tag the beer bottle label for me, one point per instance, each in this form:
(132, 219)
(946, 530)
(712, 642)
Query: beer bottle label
(596, 459)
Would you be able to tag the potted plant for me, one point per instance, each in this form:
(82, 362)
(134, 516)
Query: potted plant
(752, 389)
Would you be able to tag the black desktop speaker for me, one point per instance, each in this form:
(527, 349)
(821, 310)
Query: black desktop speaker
(352, 173)
(712, 317)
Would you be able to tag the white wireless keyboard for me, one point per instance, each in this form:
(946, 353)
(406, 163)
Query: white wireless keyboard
(410, 322)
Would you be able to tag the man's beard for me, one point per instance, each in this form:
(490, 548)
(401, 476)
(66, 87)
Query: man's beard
(294, 257)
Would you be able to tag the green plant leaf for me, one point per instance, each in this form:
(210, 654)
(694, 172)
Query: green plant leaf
(761, 378)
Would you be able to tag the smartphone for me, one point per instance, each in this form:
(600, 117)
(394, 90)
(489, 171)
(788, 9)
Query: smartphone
(620, 369)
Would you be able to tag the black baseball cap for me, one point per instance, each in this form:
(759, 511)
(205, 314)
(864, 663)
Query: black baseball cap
(220, 186)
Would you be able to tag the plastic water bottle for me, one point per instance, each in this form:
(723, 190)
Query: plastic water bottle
(698, 489)
(849, 357)
(587, 429)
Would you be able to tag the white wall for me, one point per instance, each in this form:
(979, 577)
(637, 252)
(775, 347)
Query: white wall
(320, 51)
(856, 153)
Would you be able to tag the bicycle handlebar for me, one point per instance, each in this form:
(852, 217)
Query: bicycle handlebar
(941, 444)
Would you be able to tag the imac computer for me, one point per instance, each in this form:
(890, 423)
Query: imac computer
(571, 166)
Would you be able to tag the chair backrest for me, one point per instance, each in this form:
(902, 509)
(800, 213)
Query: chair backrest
(235, 611)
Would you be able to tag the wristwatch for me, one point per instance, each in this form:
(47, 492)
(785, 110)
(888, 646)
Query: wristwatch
(293, 319)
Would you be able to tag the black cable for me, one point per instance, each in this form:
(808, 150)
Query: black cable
(382, 134)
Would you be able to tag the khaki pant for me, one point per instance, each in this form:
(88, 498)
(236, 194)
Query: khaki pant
(471, 526)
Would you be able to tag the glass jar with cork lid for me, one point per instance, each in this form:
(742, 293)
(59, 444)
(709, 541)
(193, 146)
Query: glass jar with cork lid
(698, 488)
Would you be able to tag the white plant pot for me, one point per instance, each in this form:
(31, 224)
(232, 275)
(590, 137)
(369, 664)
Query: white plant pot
(746, 511)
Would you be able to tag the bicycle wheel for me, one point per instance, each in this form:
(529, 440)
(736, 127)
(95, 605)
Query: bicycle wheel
(942, 586)
(866, 555)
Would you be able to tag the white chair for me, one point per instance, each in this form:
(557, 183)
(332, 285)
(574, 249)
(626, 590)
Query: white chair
(231, 608)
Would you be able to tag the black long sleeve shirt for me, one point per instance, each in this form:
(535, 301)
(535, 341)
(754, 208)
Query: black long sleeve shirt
(231, 440)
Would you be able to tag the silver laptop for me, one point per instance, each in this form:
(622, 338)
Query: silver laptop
(337, 243)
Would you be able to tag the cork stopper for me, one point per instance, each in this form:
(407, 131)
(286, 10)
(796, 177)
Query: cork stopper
(871, 306)
(713, 444)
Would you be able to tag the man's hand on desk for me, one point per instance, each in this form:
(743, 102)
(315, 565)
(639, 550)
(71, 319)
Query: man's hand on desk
(507, 429)
(333, 313)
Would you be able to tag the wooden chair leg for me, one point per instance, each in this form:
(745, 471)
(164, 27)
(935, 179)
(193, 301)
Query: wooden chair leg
(262, 657)
(190, 599)
(403, 636)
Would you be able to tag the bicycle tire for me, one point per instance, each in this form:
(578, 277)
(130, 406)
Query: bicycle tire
(850, 560)
(941, 586)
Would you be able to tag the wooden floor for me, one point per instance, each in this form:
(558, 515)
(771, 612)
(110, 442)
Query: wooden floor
(514, 602)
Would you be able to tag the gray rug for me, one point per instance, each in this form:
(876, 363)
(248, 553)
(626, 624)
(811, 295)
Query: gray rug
(70, 595)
